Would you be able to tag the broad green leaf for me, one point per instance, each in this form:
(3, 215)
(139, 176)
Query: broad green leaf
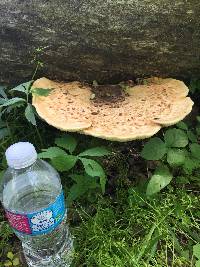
(13, 101)
(161, 178)
(95, 152)
(192, 137)
(52, 152)
(195, 150)
(182, 125)
(64, 163)
(94, 169)
(75, 192)
(176, 138)
(16, 262)
(176, 157)
(197, 263)
(4, 132)
(191, 164)
(83, 184)
(41, 91)
(67, 141)
(154, 149)
(196, 251)
(10, 255)
(29, 114)
(8, 263)
(24, 87)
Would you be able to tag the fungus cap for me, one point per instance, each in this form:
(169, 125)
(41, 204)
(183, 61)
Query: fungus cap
(141, 114)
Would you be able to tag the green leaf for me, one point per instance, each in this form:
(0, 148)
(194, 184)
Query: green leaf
(64, 163)
(16, 262)
(194, 85)
(10, 255)
(95, 152)
(41, 91)
(2, 92)
(83, 184)
(24, 87)
(4, 132)
(197, 263)
(195, 150)
(182, 180)
(192, 137)
(198, 129)
(182, 125)
(190, 164)
(154, 149)
(94, 169)
(8, 263)
(13, 101)
(67, 141)
(176, 138)
(196, 251)
(29, 114)
(161, 178)
(52, 152)
(176, 157)
(2, 101)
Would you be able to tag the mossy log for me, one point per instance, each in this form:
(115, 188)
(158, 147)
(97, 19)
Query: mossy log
(105, 40)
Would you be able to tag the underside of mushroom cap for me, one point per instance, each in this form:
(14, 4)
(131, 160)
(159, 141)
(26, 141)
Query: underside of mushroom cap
(141, 113)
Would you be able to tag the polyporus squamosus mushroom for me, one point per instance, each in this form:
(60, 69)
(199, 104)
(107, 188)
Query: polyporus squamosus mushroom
(139, 112)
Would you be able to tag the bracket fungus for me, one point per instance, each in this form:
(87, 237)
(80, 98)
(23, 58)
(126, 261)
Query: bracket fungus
(134, 113)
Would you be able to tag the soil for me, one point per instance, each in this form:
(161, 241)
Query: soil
(108, 93)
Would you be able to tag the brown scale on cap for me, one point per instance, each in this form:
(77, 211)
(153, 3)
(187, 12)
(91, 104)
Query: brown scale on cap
(111, 113)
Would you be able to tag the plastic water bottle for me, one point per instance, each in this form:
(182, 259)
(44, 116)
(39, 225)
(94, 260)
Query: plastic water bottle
(31, 193)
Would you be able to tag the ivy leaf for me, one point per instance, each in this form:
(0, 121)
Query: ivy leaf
(160, 179)
(154, 149)
(52, 152)
(95, 152)
(182, 125)
(64, 163)
(41, 91)
(24, 87)
(176, 157)
(67, 141)
(29, 114)
(94, 169)
(196, 251)
(195, 150)
(176, 138)
(13, 101)
(192, 137)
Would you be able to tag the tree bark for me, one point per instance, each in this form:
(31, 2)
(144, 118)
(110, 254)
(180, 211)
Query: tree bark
(104, 40)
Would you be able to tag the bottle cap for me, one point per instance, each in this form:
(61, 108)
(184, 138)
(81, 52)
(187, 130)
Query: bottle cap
(21, 155)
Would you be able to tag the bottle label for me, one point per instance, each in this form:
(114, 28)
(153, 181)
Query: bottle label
(40, 222)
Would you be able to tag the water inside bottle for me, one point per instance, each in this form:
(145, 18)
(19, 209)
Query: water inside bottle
(52, 249)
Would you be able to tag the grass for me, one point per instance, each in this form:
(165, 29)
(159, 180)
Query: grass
(123, 228)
